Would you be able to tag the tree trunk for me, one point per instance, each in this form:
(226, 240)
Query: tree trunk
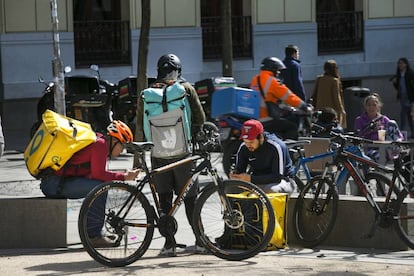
(58, 76)
(142, 80)
(227, 50)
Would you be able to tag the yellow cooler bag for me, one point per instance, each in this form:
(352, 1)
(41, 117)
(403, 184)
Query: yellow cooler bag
(279, 204)
(237, 238)
(55, 141)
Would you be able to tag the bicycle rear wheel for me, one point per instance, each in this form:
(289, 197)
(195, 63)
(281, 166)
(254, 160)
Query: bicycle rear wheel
(239, 232)
(404, 217)
(315, 211)
(128, 223)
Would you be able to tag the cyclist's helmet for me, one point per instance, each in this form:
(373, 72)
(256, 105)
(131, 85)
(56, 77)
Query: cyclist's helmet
(169, 61)
(120, 131)
(272, 64)
(168, 68)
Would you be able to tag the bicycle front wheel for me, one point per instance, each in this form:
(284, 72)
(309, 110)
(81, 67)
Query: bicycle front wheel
(404, 217)
(239, 231)
(123, 216)
(315, 211)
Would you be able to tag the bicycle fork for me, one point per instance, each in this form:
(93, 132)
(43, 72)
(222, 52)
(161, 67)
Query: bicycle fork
(233, 219)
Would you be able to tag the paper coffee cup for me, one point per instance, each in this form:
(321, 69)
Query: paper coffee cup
(381, 134)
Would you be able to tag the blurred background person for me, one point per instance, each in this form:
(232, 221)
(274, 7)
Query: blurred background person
(328, 92)
(292, 75)
(371, 120)
(328, 120)
(275, 98)
(403, 82)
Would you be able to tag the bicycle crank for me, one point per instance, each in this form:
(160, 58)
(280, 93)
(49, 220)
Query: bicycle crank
(167, 226)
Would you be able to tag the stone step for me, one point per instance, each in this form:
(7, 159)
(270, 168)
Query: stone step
(34, 222)
(354, 220)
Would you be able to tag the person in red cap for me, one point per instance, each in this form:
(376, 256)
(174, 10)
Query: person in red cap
(268, 158)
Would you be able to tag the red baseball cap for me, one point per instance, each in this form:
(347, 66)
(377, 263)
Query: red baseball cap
(250, 129)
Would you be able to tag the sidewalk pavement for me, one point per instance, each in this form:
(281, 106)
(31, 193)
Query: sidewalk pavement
(15, 181)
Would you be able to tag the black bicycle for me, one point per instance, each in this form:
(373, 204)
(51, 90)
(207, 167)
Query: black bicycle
(316, 207)
(130, 218)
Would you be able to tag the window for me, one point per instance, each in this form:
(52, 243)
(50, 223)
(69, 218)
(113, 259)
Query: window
(211, 28)
(101, 37)
(340, 27)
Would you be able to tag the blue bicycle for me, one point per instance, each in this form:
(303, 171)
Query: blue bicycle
(303, 172)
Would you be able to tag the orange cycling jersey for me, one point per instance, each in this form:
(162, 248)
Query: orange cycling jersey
(274, 92)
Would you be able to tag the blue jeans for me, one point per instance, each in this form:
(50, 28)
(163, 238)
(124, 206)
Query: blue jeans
(75, 188)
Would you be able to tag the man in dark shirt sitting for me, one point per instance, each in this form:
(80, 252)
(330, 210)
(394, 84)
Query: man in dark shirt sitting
(267, 157)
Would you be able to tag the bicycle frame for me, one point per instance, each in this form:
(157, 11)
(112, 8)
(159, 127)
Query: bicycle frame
(343, 174)
(349, 161)
(205, 165)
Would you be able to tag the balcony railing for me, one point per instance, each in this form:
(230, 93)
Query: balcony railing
(102, 42)
(241, 36)
(340, 32)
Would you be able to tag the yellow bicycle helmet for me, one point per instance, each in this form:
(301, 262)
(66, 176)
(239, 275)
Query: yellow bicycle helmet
(120, 131)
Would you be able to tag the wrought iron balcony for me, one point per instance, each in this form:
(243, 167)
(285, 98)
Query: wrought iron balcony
(340, 32)
(102, 42)
(241, 36)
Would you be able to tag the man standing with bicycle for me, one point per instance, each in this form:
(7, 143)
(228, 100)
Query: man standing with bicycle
(268, 158)
(169, 74)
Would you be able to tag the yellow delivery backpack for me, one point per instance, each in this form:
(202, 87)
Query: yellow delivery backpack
(238, 238)
(55, 141)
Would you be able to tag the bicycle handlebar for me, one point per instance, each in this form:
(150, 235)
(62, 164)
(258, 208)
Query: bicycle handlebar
(356, 140)
(360, 140)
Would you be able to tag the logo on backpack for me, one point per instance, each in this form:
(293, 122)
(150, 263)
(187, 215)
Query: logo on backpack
(167, 120)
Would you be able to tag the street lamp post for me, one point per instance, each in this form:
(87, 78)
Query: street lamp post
(58, 76)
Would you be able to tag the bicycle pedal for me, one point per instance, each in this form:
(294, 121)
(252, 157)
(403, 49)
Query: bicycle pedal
(180, 245)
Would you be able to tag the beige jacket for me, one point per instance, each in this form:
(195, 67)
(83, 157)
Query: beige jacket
(328, 93)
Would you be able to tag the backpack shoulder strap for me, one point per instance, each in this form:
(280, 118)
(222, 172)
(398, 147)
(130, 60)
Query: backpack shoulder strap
(164, 99)
(260, 87)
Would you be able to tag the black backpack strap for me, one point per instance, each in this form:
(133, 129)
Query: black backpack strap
(164, 99)
(260, 87)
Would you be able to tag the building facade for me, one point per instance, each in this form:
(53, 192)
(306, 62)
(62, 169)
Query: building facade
(365, 37)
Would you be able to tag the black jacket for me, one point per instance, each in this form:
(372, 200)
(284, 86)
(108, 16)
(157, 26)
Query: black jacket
(409, 83)
(268, 164)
